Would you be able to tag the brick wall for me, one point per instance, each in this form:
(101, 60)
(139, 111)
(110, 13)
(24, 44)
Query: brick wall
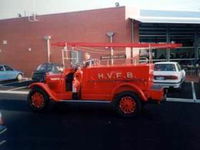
(26, 47)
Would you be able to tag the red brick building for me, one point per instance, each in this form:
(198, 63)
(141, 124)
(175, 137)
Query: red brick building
(23, 46)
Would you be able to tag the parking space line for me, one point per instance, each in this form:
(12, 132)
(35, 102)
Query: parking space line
(14, 92)
(18, 88)
(4, 130)
(2, 142)
(180, 100)
(193, 91)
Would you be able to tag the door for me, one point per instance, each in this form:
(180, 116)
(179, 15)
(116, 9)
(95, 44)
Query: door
(10, 73)
(2, 73)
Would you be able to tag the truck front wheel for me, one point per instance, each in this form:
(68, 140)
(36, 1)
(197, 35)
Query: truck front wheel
(38, 99)
(127, 104)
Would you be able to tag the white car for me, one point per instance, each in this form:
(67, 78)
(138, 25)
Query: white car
(168, 74)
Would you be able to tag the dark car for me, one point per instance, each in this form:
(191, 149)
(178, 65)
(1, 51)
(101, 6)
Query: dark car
(40, 73)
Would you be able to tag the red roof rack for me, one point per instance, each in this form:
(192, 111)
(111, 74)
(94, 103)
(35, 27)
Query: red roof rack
(132, 45)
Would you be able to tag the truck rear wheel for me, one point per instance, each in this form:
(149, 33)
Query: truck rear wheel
(127, 104)
(38, 99)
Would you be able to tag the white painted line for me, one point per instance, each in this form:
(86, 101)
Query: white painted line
(180, 100)
(14, 92)
(197, 101)
(4, 130)
(193, 91)
(22, 87)
(2, 142)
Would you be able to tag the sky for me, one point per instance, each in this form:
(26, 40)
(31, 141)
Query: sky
(11, 8)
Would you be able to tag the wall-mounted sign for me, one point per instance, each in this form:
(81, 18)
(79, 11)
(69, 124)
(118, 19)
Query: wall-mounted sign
(113, 57)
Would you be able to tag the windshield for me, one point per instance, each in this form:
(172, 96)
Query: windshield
(41, 67)
(165, 67)
(49, 68)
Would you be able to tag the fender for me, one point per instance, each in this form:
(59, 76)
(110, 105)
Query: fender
(129, 87)
(45, 88)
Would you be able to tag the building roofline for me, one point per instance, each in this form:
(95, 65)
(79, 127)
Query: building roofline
(164, 16)
(61, 13)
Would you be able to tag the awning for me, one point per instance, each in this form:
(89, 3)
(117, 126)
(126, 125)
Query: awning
(158, 16)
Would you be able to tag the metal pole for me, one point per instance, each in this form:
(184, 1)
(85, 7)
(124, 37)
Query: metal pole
(47, 38)
(168, 41)
(196, 43)
(132, 39)
(70, 56)
(111, 50)
(63, 56)
(150, 55)
(48, 51)
(110, 35)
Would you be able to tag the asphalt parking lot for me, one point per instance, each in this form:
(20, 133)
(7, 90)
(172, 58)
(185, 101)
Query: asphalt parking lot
(173, 124)
(15, 87)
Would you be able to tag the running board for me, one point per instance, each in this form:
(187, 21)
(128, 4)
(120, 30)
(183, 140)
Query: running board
(85, 101)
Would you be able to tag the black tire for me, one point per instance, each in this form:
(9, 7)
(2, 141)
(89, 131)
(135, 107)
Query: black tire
(133, 99)
(45, 101)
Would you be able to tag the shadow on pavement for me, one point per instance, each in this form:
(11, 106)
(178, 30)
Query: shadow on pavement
(7, 81)
(16, 83)
(13, 105)
(184, 92)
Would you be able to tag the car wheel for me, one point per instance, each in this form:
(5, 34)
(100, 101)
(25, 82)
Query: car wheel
(127, 104)
(19, 77)
(38, 100)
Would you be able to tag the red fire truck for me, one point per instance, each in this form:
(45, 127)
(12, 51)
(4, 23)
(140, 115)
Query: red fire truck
(126, 87)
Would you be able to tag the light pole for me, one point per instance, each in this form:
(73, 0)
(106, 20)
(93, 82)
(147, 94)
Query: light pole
(48, 38)
(110, 35)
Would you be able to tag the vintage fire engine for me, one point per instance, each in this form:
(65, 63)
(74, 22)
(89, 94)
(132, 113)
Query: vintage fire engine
(126, 87)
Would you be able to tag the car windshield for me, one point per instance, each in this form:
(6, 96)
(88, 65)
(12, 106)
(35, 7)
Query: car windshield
(8, 68)
(164, 67)
(41, 67)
